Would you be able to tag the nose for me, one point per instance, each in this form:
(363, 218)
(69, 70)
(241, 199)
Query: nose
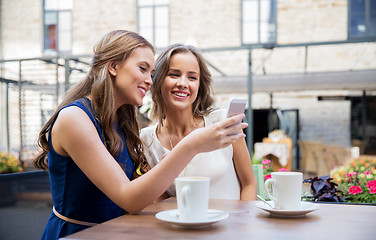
(149, 80)
(182, 82)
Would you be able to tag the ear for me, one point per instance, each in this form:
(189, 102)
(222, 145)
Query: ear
(111, 66)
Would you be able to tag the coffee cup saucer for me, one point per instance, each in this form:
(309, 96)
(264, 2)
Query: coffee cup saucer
(171, 216)
(305, 207)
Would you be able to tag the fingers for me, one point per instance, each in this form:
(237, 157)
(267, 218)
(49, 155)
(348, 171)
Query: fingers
(231, 120)
(235, 137)
(235, 119)
(236, 128)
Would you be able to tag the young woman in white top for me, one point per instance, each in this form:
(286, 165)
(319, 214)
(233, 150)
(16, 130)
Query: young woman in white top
(181, 94)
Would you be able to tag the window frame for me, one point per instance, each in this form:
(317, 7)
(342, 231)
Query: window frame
(154, 6)
(259, 23)
(367, 14)
(45, 48)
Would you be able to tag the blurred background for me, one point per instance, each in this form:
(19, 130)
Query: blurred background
(306, 67)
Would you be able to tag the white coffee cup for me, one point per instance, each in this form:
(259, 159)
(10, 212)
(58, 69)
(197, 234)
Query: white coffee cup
(286, 189)
(192, 195)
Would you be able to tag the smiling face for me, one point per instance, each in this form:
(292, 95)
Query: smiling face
(133, 77)
(181, 84)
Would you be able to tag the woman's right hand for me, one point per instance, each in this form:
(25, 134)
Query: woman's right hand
(218, 135)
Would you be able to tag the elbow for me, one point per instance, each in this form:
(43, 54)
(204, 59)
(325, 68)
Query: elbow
(133, 211)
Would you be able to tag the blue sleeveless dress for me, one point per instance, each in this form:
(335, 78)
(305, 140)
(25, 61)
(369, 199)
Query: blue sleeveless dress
(74, 195)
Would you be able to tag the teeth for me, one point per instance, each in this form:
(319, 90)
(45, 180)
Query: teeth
(142, 90)
(181, 94)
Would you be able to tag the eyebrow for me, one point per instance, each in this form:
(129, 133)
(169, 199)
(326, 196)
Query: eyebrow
(144, 62)
(177, 70)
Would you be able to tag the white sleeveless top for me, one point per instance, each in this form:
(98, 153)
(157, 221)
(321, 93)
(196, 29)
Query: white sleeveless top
(217, 165)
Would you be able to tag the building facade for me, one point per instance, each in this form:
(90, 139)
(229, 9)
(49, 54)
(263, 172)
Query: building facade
(316, 58)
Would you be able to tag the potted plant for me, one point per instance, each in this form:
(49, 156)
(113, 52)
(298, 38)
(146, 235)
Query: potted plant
(324, 189)
(10, 164)
(357, 179)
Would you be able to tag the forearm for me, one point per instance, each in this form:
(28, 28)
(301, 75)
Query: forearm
(248, 192)
(142, 191)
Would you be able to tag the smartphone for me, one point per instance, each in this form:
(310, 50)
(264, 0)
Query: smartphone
(237, 106)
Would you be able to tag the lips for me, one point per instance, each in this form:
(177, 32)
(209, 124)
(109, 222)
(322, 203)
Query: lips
(143, 90)
(180, 94)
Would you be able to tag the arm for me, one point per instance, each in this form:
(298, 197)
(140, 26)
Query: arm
(74, 134)
(244, 170)
(153, 156)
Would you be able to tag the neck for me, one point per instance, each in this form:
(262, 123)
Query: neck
(181, 123)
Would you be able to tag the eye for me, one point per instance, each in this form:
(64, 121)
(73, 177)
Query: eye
(193, 78)
(143, 69)
(173, 75)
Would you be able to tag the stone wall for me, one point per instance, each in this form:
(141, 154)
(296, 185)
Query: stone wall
(212, 24)
(301, 21)
(209, 23)
(94, 18)
(21, 28)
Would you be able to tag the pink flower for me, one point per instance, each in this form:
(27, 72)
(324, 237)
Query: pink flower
(367, 172)
(264, 167)
(372, 190)
(283, 170)
(355, 190)
(353, 173)
(371, 184)
(265, 161)
(267, 177)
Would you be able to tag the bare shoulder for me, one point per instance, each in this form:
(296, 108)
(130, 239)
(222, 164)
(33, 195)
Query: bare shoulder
(71, 117)
(71, 125)
(73, 113)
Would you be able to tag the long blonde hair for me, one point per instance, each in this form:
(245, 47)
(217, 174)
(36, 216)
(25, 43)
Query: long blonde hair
(203, 104)
(115, 46)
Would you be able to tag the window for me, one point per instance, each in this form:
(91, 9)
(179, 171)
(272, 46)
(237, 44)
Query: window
(57, 25)
(363, 123)
(258, 21)
(362, 18)
(153, 21)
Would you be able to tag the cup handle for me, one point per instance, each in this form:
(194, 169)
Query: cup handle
(266, 185)
(185, 191)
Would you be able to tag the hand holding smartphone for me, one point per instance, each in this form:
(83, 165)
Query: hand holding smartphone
(237, 106)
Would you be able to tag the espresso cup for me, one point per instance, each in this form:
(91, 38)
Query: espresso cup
(286, 189)
(192, 195)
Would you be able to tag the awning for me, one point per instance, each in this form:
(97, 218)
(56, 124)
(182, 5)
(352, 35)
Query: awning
(342, 80)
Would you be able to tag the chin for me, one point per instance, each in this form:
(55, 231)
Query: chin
(138, 103)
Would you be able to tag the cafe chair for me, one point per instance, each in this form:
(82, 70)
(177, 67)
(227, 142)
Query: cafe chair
(335, 155)
(312, 158)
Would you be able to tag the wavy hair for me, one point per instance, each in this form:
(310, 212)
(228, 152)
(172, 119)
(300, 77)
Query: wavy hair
(116, 46)
(203, 104)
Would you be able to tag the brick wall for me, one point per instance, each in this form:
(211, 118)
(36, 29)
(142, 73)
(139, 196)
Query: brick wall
(217, 23)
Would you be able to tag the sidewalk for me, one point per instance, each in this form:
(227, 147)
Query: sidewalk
(23, 220)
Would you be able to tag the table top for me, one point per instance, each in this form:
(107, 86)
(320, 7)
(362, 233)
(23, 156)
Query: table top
(330, 221)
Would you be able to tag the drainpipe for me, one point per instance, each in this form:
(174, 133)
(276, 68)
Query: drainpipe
(364, 115)
(1, 33)
(250, 110)
(3, 106)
